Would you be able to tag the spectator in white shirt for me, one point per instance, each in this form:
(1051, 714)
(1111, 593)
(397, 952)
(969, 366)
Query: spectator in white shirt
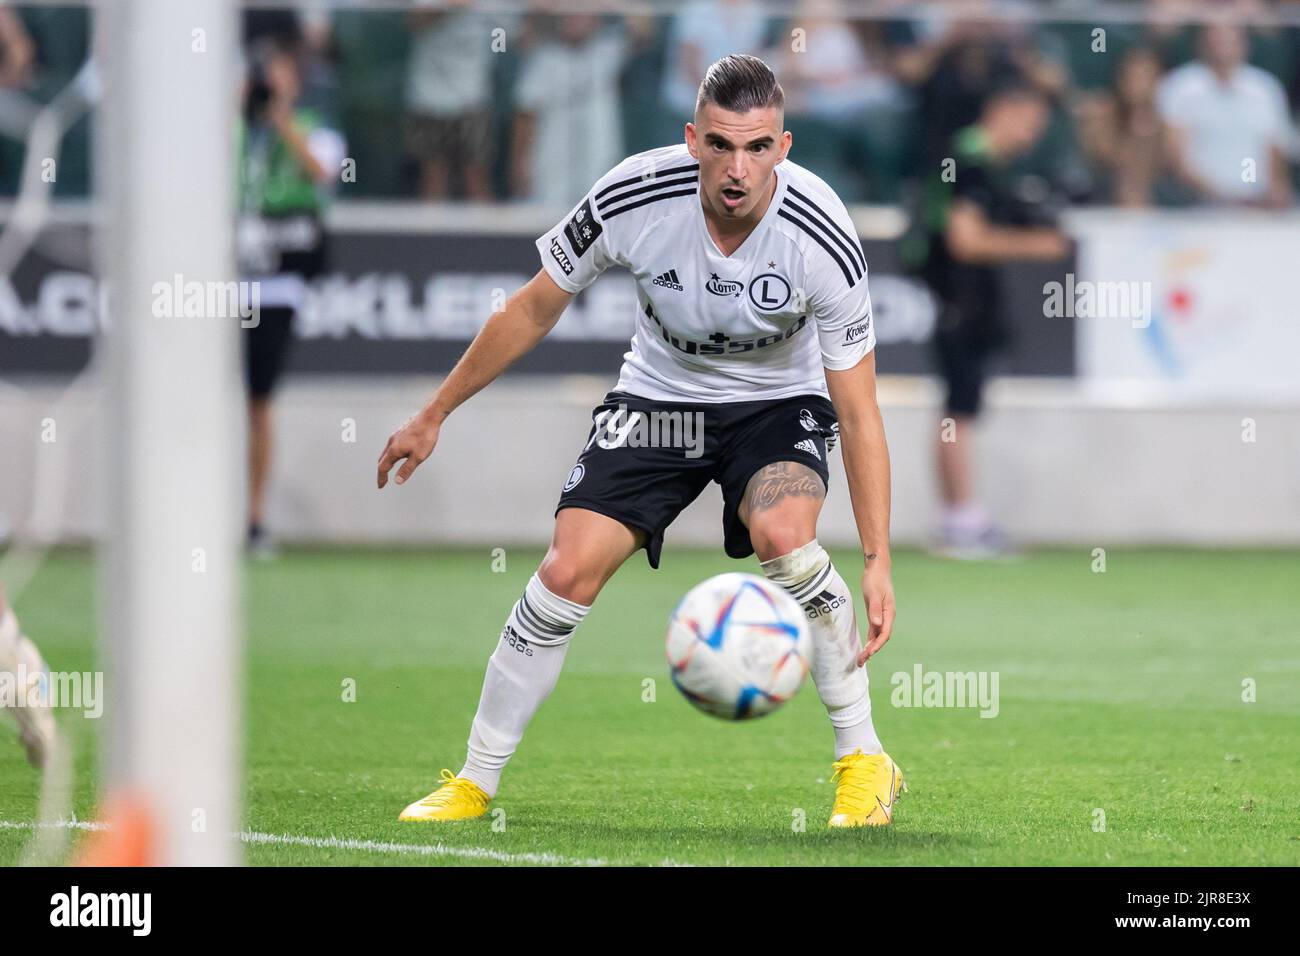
(700, 33)
(568, 131)
(1227, 125)
(449, 99)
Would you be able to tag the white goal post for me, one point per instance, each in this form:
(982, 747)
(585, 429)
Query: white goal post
(171, 425)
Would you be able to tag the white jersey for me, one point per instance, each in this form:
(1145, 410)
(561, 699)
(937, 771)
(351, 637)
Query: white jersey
(762, 323)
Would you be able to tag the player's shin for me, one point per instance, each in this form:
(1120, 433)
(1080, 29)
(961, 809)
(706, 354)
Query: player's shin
(808, 576)
(521, 674)
(27, 676)
(8, 631)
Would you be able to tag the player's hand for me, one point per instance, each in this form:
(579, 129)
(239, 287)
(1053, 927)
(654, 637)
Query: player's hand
(878, 591)
(411, 444)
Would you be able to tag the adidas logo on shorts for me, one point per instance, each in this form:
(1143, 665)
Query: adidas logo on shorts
(669, 280)
(808, 446)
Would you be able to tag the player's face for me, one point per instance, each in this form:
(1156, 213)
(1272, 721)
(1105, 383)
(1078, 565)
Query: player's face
(737, 153)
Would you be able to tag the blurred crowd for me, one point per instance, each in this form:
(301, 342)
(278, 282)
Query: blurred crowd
(445, 101)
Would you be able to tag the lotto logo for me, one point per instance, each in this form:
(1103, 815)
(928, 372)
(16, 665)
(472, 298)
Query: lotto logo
(723, 287)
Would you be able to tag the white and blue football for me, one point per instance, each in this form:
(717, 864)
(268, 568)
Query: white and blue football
(738, 646)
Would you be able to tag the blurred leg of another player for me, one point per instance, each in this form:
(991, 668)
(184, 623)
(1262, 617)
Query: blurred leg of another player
(26, 695)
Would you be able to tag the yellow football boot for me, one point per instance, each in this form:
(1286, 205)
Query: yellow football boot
(457, 799)
(868, 786)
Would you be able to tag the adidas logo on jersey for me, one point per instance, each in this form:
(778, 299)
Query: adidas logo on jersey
(808, 446)
(669, 280)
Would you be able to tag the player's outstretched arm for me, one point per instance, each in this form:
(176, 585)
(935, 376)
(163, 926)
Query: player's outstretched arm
(866, 464)
(506, 336)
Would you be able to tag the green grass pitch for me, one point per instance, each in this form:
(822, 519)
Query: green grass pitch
(1121, 703)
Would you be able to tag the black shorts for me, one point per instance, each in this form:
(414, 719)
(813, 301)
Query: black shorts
(266, 346)
(643, 469)
(965, 338)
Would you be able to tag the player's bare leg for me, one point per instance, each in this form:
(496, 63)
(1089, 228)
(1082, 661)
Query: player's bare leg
(586, 549)
(966, 530)
(956, 483)
(780, 509)
(19, 657)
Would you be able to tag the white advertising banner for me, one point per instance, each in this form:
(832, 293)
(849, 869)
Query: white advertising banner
(1197, 304)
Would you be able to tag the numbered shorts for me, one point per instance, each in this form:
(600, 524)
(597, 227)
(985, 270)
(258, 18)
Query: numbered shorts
(644, 461)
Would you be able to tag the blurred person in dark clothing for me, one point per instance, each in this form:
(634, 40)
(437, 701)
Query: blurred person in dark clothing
(955, 70)
(844, 98)
(980, 213)
(306, 32)
(289, 157)
(280, 25)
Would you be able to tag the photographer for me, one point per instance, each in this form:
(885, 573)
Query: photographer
(981, 212)
(288, 160)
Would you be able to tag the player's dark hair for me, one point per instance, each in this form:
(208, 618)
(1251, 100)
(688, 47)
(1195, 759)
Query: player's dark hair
(740, 83)
(1016, 90)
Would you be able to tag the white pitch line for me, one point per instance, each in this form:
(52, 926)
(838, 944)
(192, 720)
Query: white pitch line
(363, 846)
(417, 849)
(57, 825)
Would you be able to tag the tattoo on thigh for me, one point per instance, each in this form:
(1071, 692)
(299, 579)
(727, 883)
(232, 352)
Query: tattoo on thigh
(776, 482)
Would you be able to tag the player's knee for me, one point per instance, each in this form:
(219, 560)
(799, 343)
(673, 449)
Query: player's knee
(568, 576)
(771, 540)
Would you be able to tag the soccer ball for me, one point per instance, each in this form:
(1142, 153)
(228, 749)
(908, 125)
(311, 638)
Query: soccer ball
(738, 646)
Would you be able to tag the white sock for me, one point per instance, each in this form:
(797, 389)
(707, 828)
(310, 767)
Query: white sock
(964, 520)
(9, 635)
(808, 576)
(521, 674)
(8, 639)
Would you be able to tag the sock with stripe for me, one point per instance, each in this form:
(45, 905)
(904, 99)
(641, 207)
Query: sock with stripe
(521, 674)
(807, 574)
